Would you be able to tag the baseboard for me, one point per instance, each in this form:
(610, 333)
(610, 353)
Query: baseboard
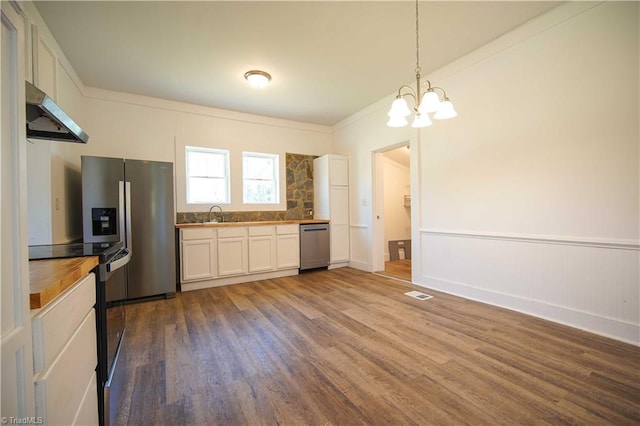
(338, 264)
(362, 266)
(604, 326)
(239, 279)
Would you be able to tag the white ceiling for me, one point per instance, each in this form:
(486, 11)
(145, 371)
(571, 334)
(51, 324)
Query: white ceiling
(328, 59)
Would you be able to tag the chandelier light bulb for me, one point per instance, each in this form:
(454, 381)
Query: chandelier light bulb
(421, 120)
(430, 102)
(424, 103)
(445, 110)
(399, 108)
(257, 79)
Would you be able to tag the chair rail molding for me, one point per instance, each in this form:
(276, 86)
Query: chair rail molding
(618, 244)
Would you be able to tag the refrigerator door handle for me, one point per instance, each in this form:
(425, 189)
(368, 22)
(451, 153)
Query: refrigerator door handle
(121, 208)
(128, 212)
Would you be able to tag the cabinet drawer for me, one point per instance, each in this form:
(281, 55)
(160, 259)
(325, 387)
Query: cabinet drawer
(197, 233)
(88, 411)
(60, 389)
(54, 325)
(260, 230)
(233, 231)
(293, 228)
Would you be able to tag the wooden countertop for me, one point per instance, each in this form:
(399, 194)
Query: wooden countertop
(50, 277)
(256, 223)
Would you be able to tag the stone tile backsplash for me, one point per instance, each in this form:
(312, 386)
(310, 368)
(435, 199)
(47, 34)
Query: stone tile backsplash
(299, 175)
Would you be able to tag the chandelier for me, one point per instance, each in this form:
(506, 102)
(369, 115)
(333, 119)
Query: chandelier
(424, 102)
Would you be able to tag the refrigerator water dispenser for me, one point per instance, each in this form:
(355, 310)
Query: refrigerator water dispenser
(104, 221)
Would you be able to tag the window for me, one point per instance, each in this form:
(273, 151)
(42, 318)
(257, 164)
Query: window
(260, 178)
(207, 175)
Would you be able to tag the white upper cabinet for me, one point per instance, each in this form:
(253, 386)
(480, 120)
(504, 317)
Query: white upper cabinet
(45, 64)
(331, 202)
(338, 170)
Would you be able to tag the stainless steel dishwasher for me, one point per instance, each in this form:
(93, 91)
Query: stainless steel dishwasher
(314, 246)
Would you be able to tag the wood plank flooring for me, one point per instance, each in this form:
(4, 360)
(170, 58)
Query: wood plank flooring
(400, 269)
(345, 347)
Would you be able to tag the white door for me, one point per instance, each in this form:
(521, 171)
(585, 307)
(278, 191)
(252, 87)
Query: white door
(198, 259)
(232, 256)
(288, 251)
(15, 331)
(262, 253)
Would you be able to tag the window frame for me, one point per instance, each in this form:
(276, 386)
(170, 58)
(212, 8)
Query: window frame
(275, 176)
(226, 175)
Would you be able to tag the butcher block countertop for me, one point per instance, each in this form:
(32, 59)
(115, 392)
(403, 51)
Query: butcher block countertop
(50, 277)
(256, 223)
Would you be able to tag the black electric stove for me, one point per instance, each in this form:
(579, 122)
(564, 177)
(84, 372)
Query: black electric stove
(105, 251)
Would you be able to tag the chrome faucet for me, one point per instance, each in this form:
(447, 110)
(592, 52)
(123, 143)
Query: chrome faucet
(221, 212)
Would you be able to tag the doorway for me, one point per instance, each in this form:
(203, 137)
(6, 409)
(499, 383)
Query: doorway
(393, 212)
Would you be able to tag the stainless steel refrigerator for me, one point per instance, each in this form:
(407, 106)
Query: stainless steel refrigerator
(132, 201)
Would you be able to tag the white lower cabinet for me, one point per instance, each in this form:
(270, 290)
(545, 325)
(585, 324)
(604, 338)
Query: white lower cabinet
(212, 256)
(65, 357)
(198, 254)
(262, 249)
(233, 251)
(287, 246)
(339, 249)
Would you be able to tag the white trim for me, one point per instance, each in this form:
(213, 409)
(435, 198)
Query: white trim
(605, 326)
(183, 107)
(617, 244)
(340, 264)
(360, 265)
(239, 279)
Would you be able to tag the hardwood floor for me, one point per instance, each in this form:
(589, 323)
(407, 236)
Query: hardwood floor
(345, 347)
(400, 269)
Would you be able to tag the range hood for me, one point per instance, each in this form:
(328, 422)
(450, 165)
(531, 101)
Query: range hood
(46, 120)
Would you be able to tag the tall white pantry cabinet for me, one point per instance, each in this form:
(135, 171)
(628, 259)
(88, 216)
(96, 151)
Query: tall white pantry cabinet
(331, 202)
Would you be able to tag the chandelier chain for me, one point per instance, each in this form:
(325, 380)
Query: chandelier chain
(418, 69)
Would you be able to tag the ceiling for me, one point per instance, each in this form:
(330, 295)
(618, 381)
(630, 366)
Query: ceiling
(328, 59)
(399, 155)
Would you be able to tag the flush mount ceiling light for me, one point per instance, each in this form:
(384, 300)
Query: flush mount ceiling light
(424, 103)
(257, 79)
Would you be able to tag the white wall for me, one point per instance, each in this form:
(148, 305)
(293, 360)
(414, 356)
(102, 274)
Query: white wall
(397, 217)
(529, 198)
(138, 127)
(152, 129)
(121, 125)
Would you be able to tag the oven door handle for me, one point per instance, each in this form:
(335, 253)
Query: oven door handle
(119, 263)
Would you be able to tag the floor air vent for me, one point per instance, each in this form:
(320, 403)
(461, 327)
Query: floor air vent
(418, 295)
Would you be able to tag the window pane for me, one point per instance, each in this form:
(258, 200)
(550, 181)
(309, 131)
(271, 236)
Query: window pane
(259, 192)
(258, 168)
(206, 190)
(260, 178)
(206, 164)
(207, 173)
